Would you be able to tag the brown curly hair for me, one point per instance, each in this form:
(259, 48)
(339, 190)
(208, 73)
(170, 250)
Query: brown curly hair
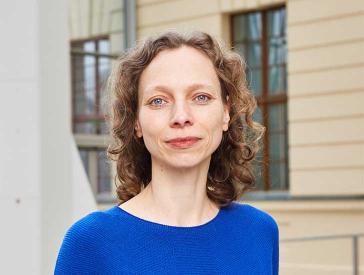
(230, 172)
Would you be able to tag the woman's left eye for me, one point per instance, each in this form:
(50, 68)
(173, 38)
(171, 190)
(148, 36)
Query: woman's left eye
(203, 98)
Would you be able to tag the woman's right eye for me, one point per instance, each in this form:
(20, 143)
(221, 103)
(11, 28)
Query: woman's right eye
(156, 101)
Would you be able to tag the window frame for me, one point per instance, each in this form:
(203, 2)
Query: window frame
(95, 141)
(98, 116)
(265, 100)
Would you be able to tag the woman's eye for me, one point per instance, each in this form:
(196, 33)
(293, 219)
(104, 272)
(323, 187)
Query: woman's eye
(202, 98)
(156, 101)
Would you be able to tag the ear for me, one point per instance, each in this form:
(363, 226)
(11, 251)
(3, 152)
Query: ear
(226, 114)
(138, 129)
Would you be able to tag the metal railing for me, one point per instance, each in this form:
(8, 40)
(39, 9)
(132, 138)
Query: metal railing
(355, 245)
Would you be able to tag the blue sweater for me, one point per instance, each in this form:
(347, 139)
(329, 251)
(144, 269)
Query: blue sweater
(241, 239)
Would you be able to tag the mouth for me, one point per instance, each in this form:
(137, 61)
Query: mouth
(183, 142)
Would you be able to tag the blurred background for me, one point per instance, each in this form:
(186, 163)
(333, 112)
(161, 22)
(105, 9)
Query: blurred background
(305, 66)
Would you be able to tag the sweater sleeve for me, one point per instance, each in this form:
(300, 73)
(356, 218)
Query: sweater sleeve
(78, 252)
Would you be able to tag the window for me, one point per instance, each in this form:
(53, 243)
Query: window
(90, 68)
(260, 37)
(90, 62)
(97, 169)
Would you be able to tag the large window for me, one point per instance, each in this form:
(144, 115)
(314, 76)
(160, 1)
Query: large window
(260, 37)
(91, 62)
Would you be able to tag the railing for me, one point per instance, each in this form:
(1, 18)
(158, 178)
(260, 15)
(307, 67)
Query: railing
(355, 242)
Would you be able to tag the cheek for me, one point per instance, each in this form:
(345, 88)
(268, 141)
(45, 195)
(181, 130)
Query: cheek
(212, 122)
(213, 119)
(149, 121)
(152, 125)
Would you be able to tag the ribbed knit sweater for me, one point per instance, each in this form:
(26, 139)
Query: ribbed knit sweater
(240, 239)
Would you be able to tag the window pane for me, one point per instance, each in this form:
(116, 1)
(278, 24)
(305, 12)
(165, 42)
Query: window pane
(104, 62)
(83, 79)
(77, 75)
(78, 84)
(278, 175)
(104, 46)
(277, 117)
(254, 26)
(103, 70)
(85, 127)
(277, 146)
(89, 46)
(238, 28)
(247, 40)
(104, 67)
(254, 78)
(277, 51)
(104, 127)
(89, 84)
(89, 77)
(257, 115)
(251, 53)
(253, 70)
(247, 27)
(258, 172)
(254, 55)
(277, 55)
(100, 173)
(240, 48)
(277, 22)
(277, 80)
(104, 172)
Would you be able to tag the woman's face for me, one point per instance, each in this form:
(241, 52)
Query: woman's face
(180, 96)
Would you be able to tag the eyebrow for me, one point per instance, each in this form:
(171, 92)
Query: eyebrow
(191, 87)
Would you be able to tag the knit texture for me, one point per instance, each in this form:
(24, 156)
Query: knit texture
(241, 239)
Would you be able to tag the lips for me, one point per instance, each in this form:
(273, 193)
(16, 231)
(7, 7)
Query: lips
(183, 139)
(183, 142)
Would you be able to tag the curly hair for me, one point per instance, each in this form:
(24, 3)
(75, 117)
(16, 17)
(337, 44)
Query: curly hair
(230, 172)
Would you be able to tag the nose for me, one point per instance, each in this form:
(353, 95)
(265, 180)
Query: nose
(181, 115)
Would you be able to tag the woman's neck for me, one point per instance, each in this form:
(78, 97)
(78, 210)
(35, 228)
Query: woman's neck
(176, 196)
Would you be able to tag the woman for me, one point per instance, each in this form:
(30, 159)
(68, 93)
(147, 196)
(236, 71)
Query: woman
(183, 144)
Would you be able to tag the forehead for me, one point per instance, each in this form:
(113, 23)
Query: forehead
(184, 67)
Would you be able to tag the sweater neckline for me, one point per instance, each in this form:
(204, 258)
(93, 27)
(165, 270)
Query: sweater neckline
(166, 226)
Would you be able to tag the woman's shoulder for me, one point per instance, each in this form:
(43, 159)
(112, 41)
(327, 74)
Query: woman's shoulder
(249, 213)
(92, 225)
(83, 242)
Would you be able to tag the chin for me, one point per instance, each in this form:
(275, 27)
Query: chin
(186, 161)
